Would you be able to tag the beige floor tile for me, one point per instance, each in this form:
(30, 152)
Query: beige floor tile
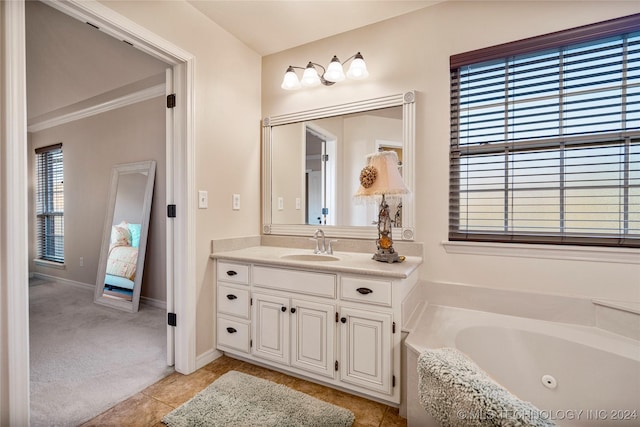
(223, 364)
(392, 418)
(264, 373)
(177, 390)
(367, 412)
(138, 411)
(147, 408)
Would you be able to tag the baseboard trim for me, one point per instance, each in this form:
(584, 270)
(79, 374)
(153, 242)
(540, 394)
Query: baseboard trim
(64, 281)
(207, 357)
(152, 302)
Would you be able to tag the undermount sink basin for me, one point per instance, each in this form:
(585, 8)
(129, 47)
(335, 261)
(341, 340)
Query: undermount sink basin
(310, 257)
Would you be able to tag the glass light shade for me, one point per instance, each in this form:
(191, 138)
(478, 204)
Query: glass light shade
(310, 78)
(290, 81)
(334, 73)
(358, 69)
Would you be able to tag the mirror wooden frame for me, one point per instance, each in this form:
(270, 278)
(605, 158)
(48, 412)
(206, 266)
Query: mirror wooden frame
(407, 101)
(148, 167)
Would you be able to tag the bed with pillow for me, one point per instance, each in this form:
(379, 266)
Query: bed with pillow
(123, 256)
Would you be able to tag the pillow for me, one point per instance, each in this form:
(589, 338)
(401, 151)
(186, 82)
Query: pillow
(134, 229)
(120, 236)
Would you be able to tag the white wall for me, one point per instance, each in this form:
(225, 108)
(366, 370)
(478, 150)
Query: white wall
(412, 52)
(227, 134)
(288, 165)
(360, 135)
(69, 61)
(91, 147)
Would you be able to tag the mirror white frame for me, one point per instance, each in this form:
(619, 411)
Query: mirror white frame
(407, 232)
(147, 168)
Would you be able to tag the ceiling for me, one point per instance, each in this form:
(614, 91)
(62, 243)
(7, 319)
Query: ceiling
(272, 26)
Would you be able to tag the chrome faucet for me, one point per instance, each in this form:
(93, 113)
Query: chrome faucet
(320, 249)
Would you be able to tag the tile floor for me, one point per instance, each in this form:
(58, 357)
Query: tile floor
(147, 408)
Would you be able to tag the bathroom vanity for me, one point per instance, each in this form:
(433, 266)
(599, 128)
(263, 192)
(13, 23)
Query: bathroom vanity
(334, 319)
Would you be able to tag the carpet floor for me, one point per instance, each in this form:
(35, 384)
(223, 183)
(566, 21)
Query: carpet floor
(84, 357)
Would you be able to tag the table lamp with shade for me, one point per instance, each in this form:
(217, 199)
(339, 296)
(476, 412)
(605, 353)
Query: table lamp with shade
(381, 177)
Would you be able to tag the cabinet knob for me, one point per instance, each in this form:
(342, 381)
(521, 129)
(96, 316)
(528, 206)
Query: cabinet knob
(231, 297)
(231, 330)
(343, 319)
(364, 291)
(283, 309)
(231, 273)
(293, 309)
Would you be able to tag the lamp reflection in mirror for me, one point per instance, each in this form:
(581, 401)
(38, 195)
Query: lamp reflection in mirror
(381, 177)
(332, 74)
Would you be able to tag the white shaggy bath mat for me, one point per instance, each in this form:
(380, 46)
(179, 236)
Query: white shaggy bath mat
(237, 399)
(457, 393)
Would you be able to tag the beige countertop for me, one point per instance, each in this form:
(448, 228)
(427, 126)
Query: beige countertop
(347, 262)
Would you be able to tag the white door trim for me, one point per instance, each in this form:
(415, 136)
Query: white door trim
(180, 161)
(14, 263)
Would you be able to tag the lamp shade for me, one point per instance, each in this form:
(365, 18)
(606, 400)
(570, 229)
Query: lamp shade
(310, 78)
(335, 72)
(290, 81)
(381, 176)
(358, 69)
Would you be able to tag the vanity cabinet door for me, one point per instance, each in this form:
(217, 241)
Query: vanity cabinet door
(365, 349)
(312, 337)
(271, 327)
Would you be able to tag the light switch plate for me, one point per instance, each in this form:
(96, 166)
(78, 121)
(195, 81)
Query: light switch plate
(203, 199)
(235, 205)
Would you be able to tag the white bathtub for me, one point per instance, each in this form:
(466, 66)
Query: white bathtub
(596, 373)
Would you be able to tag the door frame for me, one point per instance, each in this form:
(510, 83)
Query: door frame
(180, 149)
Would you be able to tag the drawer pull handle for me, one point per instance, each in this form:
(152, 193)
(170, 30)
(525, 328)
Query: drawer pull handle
(231, 296)
(364, 291)
(293, 310)
(283, 309)
(232, 330)
(343, 319)
(231, 273)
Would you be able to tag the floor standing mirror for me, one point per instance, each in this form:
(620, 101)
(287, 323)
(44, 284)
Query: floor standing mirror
(124, 239)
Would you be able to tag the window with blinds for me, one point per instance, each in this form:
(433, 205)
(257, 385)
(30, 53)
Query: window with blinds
(50, 203)
(545, 143)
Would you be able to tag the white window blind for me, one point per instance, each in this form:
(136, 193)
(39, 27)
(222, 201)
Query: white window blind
(50, 203)
(545, 145)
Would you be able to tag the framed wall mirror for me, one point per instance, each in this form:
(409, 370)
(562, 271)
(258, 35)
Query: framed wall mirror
(312, 162)
(124, 239)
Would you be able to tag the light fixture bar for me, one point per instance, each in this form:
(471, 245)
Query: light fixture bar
(334, 73)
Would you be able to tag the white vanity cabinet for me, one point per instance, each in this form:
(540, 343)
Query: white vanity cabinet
(337, 328)
(233, 307)
(294, 332)
(293, 318)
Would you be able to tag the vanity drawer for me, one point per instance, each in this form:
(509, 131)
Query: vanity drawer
(366, 290)
(308, 283)
(233, 273)
(233, 334)
(233, 301)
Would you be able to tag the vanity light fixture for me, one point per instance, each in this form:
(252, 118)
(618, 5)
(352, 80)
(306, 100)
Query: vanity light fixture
(332, 74)
(381, 177)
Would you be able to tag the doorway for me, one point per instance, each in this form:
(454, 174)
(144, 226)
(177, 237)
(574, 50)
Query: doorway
(320, 175)
(180, 191)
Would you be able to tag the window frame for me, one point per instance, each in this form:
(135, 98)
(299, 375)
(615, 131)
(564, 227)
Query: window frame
(46, 216)
(583, 34)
